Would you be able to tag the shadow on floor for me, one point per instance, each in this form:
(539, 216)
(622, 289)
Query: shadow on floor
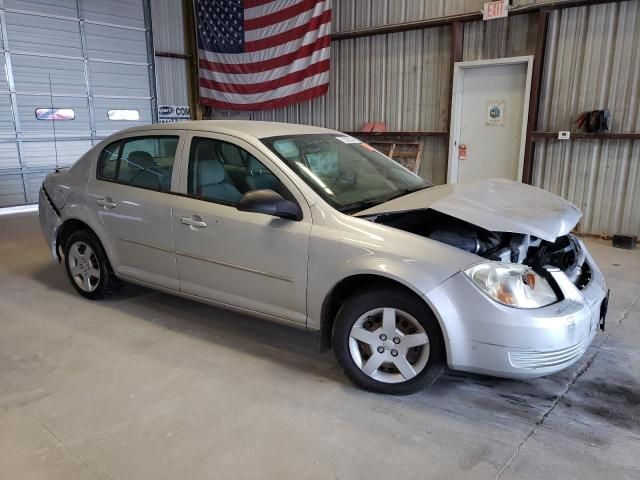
(297, 349)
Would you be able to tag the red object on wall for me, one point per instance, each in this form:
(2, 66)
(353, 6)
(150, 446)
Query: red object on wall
(374, 127)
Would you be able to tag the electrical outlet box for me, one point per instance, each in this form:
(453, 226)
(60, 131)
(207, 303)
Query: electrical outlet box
(564, 135)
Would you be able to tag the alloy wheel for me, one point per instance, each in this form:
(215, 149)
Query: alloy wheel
(84, 266)
(389, 345)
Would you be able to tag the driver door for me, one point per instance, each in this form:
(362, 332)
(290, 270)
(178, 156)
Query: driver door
(244, 259)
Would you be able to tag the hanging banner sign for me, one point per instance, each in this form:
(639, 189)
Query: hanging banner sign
(173, 113)
(493, 10)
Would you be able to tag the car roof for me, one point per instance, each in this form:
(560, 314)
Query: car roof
(235, 127)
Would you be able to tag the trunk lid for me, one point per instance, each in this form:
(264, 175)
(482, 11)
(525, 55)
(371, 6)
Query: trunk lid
(498, 205)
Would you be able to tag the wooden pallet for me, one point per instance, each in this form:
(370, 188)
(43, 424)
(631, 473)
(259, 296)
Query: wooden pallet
(407, 154)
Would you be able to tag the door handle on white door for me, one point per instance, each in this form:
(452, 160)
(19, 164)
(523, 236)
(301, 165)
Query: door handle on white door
(194, 222)
(106, 202)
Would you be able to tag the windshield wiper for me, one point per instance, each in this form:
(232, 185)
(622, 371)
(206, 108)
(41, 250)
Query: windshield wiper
(363, 205)
(372, 202)
(406, 191)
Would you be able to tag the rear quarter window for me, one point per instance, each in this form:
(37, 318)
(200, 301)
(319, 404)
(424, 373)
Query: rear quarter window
(108, 163)
(145, 162)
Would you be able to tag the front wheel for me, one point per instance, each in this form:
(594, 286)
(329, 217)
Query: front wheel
(388, 341)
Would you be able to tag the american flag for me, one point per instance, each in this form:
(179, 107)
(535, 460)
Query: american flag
(262, 54)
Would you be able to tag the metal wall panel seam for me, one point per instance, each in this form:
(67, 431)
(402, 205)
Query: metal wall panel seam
(118, 62)
(146, 6)
(85, 66)
(27, 139)
(46, 55)
(115, 25)
(16, 171)
(13, 98)
(55, 95)
(122, 97)
(40, 14)
(64, 17)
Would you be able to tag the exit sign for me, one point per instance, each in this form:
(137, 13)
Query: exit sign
(494, 10)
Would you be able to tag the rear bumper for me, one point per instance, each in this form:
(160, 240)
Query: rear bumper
(485, 337)
(49, 221)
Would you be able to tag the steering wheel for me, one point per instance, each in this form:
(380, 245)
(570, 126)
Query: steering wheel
(349, 177)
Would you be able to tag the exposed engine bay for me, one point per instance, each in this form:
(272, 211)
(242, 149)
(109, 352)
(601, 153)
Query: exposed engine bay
(565, 253)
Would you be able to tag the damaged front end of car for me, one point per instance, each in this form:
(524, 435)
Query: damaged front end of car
(565, 253)
(532, 303)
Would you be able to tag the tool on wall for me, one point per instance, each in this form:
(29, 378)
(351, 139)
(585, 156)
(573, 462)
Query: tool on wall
(595, 121)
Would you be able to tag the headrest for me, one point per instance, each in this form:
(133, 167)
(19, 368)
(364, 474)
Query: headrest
(255, 167)
(205, 149)
(141, 159)
(210, 171)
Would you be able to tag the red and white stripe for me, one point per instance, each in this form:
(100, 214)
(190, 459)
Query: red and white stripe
(286, 58)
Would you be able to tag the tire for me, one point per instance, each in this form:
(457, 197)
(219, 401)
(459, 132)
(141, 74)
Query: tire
(85, 258)
(366, 315)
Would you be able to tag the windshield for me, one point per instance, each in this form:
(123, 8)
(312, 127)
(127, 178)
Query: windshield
(347, 173)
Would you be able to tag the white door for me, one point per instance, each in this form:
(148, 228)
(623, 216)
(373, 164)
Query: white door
(249, 260)
(489, 113)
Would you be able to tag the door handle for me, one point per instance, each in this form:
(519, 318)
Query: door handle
(106, 202)
(194, 222)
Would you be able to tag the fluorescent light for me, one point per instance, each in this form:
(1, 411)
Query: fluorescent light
(55, 114)
(123, 115)
(18, 209)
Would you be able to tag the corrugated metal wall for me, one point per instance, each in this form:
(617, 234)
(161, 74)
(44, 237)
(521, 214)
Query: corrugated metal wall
(96, 53)
(168, 36)
(355, 14)
(593, 62)
(506, 37)
(403, 80)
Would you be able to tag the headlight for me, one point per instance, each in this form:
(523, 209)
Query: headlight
(512, 284)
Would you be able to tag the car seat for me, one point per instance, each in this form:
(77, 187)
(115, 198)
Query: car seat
(213, 182)
(147, 174)
(259, 177)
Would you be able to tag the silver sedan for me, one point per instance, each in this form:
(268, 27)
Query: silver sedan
(314, 228)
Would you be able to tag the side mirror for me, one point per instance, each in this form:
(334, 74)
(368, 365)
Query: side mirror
(269, 203)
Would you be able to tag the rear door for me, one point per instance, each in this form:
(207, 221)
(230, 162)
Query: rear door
(132, 197)
(249, 260)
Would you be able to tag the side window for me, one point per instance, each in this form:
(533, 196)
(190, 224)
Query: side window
(108, 163)
(145, 162)
(223, 172)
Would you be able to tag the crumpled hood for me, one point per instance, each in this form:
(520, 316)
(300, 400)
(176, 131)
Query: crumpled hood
(498, 205)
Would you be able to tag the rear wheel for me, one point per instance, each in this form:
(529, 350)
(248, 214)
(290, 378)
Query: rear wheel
(388, 341)
(88, 267)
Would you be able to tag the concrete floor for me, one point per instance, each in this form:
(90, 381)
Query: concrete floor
(148, 386)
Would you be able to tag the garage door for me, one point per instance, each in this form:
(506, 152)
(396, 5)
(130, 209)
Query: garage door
(73, 70)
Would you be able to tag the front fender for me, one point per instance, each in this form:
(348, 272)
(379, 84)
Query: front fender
(357, 247)
(409, 281)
